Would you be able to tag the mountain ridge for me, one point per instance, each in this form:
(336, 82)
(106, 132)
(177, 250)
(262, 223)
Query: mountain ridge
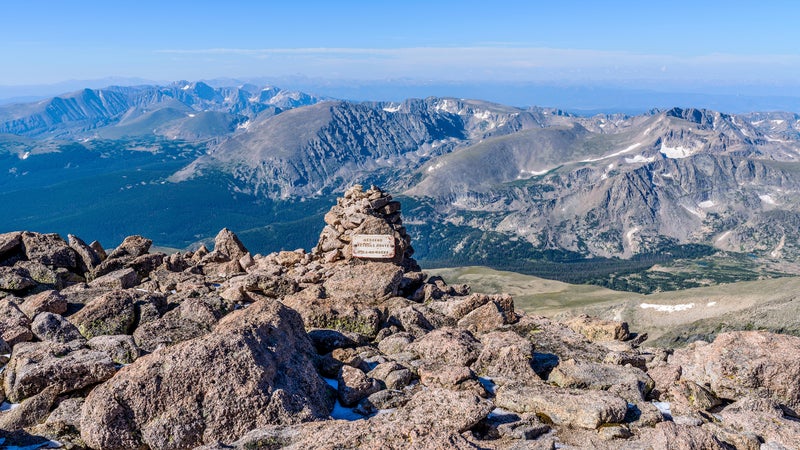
(545, 181)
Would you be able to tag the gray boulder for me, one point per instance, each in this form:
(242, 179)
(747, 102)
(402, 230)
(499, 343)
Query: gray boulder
(47, 326)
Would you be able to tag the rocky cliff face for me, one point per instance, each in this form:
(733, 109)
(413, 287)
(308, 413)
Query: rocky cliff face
(325, 349)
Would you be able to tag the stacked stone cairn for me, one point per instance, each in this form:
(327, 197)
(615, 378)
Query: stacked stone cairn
(221, 349)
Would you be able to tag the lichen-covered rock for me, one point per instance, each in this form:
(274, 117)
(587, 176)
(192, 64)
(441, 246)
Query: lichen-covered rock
(15, 279)
(118, 312)
(255, 369)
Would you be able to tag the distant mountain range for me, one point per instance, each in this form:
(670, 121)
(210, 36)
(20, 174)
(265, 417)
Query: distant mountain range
(484, 181)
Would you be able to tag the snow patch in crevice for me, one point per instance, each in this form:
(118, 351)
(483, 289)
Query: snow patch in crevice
(722, 236)
(667, 308)
(629, 235)
(339, 411)
(640, 159)
(488, 384)
(694, 212)
(706, 204)
(710, 304)
(523, 174)
(664, 408)
(678, 152)
(768, 199)
(776, 252)
(621, 152)
(5, 406)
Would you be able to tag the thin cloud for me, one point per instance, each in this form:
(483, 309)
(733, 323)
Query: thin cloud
(506, 62)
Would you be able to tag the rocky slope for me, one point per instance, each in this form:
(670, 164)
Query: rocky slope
(223, 349)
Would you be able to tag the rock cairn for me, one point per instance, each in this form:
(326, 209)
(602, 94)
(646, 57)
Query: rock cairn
(371, 212)
(221, 349)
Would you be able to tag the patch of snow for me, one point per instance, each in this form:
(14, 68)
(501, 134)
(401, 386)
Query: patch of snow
(678, 152)
(711, 304)
(243, 126)
(776, 253)
(723, 236)
(46, 444)
(5, 406)
(192, 115)
(438, 165)
(629, 235)
(339, 411)
(778, 121)
(621, 152)
(647, 131)
(667, 175)
(499, 413)
(488, 384)
(767, 199)
(25, 155)
(530, 173)
(667, 308)
(664, 407)
(186, 88)
(482, 115)
(640, 159)
(392, 109)
(693, 211)
(706, 204)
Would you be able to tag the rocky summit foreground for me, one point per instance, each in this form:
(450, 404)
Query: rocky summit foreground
(348, 346)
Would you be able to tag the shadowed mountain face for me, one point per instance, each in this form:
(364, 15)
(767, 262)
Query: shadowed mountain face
(482, 180)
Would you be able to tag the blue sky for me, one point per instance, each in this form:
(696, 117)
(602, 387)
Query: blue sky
(646, 44)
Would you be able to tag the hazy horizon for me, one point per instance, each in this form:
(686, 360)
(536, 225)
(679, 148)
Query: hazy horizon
(708, 48)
